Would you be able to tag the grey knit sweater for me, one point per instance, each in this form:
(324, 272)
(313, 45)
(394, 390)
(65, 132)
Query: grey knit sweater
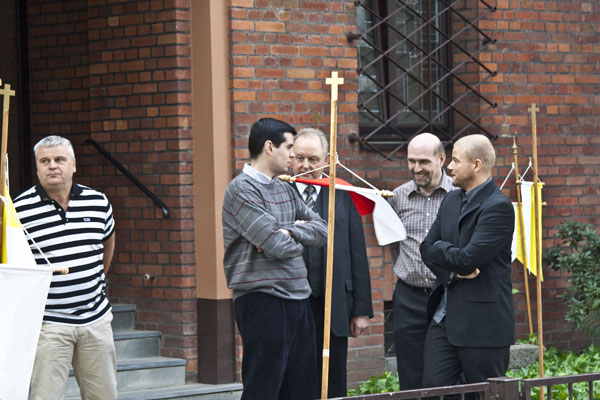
(253, 213)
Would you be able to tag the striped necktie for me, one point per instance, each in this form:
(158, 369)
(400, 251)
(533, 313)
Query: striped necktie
(309, 200)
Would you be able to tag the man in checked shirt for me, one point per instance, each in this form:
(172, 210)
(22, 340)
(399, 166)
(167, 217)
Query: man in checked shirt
(416, 203)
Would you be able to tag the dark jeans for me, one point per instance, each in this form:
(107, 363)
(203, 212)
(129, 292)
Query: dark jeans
(278, 337)
(338, 353)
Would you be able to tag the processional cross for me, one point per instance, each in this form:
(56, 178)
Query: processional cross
(334, 81)
(7, 93)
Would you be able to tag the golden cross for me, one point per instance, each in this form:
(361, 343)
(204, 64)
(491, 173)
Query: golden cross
(334, 81)
(533, 109)
(7, 93)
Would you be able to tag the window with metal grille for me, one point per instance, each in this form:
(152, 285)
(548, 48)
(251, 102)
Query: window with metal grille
(419, 71)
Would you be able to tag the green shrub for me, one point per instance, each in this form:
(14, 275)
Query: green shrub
(561, 364)
(555, 364)
(579, 255)
(384, 384)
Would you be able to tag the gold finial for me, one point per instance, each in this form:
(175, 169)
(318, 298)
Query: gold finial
(286, 178)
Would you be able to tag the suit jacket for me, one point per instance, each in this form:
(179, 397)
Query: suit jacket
(479, 311)
(351, 286)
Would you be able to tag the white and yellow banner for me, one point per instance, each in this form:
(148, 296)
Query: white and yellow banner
(533, 250)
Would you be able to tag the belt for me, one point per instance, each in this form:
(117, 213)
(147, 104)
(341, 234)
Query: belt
(420, 289)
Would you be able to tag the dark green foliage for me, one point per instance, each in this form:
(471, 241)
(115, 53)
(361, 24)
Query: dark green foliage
(579, 255)
(561, 364)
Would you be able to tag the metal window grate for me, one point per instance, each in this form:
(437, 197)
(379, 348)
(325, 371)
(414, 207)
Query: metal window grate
(419, 70)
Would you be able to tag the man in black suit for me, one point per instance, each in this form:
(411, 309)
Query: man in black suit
(351, 287)
(468, 249)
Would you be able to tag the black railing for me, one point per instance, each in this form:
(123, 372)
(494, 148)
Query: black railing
(130, 176)
(458, 391)
(584, 379)
(497, 389)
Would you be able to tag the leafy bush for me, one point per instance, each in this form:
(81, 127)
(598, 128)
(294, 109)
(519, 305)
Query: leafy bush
(560, 364)
(579, 255)
(384, 384)
(531, 339)
(555, 364)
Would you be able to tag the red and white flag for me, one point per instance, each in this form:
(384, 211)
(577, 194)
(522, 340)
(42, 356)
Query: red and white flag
(387, 224)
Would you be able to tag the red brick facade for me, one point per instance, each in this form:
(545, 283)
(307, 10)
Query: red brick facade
(119, 72)
(548, 53)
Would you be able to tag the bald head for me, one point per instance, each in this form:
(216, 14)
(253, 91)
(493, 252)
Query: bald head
(425, 156)
(472, 160)
(478, 147)
(428, 142)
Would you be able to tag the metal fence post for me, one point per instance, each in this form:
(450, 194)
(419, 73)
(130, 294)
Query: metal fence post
(504, 388)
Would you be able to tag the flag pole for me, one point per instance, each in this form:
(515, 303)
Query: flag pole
(538, 241)
(6, 93)
(522, 231)
(334, 81)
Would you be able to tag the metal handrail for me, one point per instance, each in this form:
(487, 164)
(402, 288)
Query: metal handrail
(130, 176)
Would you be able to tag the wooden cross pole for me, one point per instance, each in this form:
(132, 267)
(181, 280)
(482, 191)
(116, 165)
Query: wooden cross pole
(334, 81)
(522, 231)
(538, 240)
(7, 93)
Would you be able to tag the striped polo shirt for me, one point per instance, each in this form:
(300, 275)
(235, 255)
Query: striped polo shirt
(72, 239)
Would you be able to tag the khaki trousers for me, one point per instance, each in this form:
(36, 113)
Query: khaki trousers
(91, 351)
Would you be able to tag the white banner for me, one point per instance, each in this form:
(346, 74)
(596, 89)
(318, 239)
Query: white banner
(23, 293)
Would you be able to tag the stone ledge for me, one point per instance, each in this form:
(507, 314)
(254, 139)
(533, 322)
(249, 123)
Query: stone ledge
(521, 355)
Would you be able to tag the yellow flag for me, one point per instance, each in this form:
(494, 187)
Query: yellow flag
(15, 248)
(532, 250)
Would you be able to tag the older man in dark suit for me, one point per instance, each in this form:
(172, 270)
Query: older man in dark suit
(351, 288)
(468, 249)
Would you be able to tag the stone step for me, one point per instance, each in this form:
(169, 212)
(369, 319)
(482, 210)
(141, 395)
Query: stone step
(136, 344)
(142, 373)
(123, 317)
(193, 391)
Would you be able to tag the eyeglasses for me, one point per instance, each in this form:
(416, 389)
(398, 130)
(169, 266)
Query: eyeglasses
(311, 160)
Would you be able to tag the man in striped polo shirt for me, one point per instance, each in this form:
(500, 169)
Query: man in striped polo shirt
(266, 226)
(416, 203)
(73, 227)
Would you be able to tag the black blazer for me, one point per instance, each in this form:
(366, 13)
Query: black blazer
(351, 286)
(479, 312)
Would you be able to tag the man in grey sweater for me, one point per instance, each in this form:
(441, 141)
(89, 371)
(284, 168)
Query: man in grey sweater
(266, 227)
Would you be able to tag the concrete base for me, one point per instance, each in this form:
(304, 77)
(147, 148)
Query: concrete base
(521, 355)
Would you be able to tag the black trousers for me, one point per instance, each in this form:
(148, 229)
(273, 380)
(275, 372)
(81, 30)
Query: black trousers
(410, 329)
(278, 337)
(446, 364)
(338, 353)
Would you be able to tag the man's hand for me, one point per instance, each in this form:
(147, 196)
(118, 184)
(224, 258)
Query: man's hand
(472, 275)
(357, 325)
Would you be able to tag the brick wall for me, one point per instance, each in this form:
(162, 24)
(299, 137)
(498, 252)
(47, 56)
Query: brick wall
(548, 53)
(119, 73)
(281, 53)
